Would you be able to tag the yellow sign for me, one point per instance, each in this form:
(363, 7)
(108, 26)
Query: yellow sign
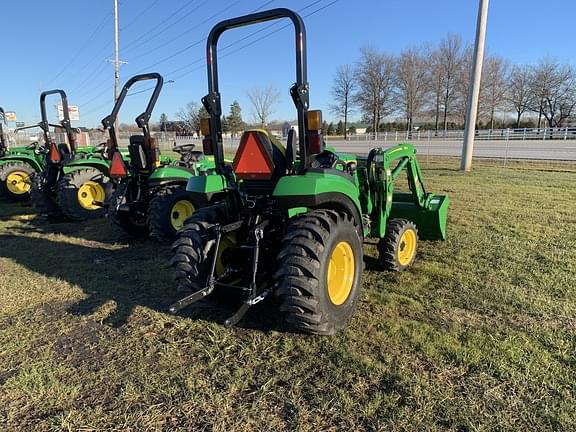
(10, 116)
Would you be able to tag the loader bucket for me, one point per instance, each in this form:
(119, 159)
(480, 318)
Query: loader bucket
(431, 221)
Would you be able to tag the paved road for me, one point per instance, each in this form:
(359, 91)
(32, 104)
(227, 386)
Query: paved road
(546, 150)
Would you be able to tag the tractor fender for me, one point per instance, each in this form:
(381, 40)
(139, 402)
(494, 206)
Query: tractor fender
(172, 173)
(99, 164)
(207, 188)
(318, 189)
(32, 161)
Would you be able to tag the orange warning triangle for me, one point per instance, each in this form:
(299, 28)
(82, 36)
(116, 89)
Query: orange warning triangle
(252, 162)
(117, 167)
(55, 156)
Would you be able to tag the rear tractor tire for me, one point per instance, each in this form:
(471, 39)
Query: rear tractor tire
(399, 246)
(126, 223)
(80, 192)
(15, 181)
(193, 249)
(43, 199)
(319, 271)
(168, 212)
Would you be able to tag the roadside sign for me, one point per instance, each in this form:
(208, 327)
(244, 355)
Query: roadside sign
(73, 111)
(10, 116)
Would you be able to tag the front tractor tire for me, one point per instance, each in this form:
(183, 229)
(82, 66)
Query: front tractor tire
(168, 211)
(398, 247)
(81, 194)
(319, 271)
(15, 181)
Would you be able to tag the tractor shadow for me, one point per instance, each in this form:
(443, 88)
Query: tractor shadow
(128, 276)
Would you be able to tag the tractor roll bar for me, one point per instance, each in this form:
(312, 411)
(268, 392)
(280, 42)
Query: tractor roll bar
(3, 145)
(65, 123)
(143, 119)
(299, 92)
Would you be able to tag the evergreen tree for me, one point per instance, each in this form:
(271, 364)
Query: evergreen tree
(340, 128)
(163, 122)
(234, 120)
(330, 130)
(324, 127)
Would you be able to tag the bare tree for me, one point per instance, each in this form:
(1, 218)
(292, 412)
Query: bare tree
(413, 79)
(554, 95)
(462, 84)
(263, 99)
(189, 116)
(493, 87)
(519, 94)
(343, 89)
(446, 65)
(375, 77)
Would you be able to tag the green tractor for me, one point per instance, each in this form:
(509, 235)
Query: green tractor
(291, 221)
(17, 164)
(50, 182)
(151, 197)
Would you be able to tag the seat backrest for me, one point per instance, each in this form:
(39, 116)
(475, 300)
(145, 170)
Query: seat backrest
(138, 158)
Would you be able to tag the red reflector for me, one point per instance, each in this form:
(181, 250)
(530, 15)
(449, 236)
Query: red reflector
(117, 167)
(315, 144)
(207, 146)
(54, 155)
(252, 161)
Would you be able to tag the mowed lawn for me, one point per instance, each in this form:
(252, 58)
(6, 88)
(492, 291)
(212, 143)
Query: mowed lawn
(480, 334)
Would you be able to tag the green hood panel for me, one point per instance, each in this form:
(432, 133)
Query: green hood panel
(209, 184)
(35, 161)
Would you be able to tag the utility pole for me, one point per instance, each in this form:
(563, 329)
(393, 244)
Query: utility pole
(116, 53)
(474, 91)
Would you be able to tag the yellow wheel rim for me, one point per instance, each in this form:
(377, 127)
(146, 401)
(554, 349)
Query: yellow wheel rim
(18, 182)
(407, 247)
(88, 193)
(227, 242)
(341, 272)
(181, 211)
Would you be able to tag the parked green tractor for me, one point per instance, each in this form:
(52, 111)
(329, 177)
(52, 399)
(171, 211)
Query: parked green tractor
(54, 164)
(151, 197)
(291, 220)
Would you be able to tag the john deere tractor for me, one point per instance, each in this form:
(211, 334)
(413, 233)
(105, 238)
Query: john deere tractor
(151, 197)
(291, 221)
(49, 184)
(17, 164)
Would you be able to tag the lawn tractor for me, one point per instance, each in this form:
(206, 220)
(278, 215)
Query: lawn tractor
(291, 221)
(60, 161)
(151, 196)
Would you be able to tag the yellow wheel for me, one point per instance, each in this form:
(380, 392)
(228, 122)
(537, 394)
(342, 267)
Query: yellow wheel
(399, 245)
(181, 210)
(89, 193)
(340, 273)
(407, 247)
(18, 182)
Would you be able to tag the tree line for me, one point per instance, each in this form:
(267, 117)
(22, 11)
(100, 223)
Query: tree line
(430, 85)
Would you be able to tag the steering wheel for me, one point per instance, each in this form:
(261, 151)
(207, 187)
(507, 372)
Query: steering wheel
(183, 148)
(326, 159)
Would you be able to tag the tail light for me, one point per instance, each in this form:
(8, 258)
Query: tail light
(54, 155)
(207, 147)
(117, 167)
(205, 129)
(314, 140)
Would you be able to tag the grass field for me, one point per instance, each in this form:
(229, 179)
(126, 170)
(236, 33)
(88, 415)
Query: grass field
(479, 335)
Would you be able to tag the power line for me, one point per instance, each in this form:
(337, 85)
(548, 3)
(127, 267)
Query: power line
(81, 49)
(130, 45)
(198, 42)
(137, 17)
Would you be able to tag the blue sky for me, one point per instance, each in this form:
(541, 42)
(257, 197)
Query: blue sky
(64, 44)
